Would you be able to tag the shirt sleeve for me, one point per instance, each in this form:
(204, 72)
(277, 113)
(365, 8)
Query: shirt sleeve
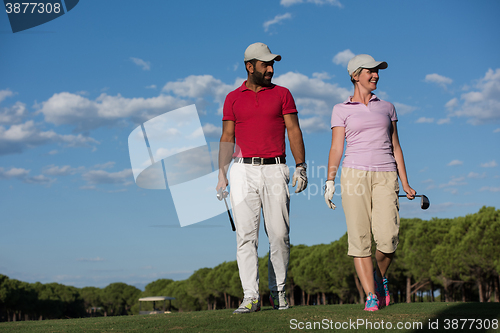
(393, 115)
(227, 111)
(289, 103)
(337, 119)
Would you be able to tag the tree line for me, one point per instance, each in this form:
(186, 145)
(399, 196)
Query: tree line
(454, 258)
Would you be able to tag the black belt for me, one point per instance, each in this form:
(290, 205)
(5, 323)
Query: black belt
(260, 160)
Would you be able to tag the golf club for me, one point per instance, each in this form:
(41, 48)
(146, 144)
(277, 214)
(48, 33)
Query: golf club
(424, 201)
(222, 195)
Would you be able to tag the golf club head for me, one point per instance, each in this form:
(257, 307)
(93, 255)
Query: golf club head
(424, 202)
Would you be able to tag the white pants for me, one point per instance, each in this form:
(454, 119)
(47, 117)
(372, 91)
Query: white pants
(253, 188)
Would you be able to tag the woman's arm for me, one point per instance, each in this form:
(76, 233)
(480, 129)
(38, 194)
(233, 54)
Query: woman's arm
(400, 163)
(336, 151)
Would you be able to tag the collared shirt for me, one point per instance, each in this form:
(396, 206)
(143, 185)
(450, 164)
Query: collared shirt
(367, 133)
(258, 118)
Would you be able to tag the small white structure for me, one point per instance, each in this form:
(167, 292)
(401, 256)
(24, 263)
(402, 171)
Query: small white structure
(155, 299)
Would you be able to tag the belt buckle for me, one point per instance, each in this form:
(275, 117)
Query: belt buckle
(257, 161)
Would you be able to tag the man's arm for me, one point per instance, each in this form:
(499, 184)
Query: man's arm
(295, 137)
(298, 151)
(226, 150)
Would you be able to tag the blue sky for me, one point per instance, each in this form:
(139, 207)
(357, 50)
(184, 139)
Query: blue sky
(73, 89)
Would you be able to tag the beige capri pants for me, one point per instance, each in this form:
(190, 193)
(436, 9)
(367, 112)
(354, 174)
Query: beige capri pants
(371, 206)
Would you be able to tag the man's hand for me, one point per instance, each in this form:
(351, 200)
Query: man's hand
(299, 178)
(329, 191)
(221, 186)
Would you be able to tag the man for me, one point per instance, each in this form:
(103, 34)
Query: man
(255, 118)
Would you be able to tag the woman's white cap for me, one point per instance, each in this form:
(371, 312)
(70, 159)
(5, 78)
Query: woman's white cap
(364, 61)
(260, 51)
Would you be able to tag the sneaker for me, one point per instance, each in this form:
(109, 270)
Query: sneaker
(371, 303)
(248, 305)
(278, 300)
(382, 291)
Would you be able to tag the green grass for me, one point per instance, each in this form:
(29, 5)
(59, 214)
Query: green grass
(296, 319)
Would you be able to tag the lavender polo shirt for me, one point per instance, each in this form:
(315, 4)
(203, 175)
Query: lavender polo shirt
(367, 133)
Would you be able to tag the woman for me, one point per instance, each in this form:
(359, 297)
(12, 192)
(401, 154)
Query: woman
(369, 178)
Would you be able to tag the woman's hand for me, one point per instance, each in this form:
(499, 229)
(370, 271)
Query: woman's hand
(410, 193)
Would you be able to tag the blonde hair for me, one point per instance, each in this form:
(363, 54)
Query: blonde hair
(356, 73)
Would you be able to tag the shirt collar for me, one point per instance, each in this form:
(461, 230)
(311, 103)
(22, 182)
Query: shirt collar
(243, 87)
(373, 98)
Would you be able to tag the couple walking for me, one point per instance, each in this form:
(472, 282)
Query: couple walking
(256, 117)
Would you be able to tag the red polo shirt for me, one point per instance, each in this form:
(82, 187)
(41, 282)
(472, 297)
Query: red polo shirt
(258, 118)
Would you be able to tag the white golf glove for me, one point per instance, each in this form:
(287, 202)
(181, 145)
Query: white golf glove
(300, 178)
(329, 191)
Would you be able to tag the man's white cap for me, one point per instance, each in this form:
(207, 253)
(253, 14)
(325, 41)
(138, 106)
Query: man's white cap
(260, 51)
(364, 61)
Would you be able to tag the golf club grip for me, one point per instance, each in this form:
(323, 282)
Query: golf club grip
(231, 220)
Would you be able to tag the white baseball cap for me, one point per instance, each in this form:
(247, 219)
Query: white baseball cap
(260, 51)
(364, 61)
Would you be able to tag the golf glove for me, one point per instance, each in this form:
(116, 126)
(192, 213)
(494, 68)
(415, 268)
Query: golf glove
(221, 194)
(300, 178)
(329, 191)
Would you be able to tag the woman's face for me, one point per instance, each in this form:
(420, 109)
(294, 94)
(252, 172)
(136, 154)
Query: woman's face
(368, 78)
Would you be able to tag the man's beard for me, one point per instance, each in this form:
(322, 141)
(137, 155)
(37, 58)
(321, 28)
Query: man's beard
(261, 80)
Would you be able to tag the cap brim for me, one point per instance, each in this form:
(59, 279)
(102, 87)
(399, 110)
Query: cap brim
(376, 64)
(269, 57)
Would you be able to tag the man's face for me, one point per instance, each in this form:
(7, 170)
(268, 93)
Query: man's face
(263, 73)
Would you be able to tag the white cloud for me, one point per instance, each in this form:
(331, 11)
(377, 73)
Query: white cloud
(443, 81)
(19, 137)
(451, 104)
(343, 57)
(23, 175)
(491, 164)
(314, 97)
(288, 3)
(85, 114)
(54, 170)
(153, 86)
(211, 130)
(455, 162)
(490, 189)
(314, 124)
(146, 65)
(124, 177)
(106, 165)
(13, 114)
(277, 19)
(443, 121)
(475, 175)
(423, 120)
(403, 108)
(17, 173)
(201, 86)
(313, 89)
(482, 105)
(455, 181)
(5, 93)
(496, 130)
